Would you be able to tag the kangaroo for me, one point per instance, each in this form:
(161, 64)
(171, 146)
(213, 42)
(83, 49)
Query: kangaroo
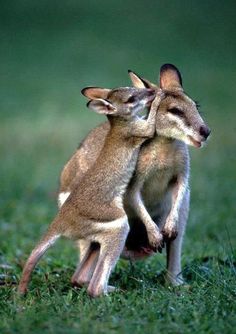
(94, 210)
(160, 184)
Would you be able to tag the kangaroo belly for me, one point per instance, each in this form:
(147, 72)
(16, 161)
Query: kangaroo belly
(157, 199)
(156, 192)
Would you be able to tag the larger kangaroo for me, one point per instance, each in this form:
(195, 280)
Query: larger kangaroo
(160, 186)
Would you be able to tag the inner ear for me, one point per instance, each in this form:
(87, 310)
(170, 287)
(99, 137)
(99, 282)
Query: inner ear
(170, 77)
(101, 106)
(139, 82)
(95, 92)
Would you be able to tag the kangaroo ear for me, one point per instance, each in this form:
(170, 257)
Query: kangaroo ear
(139, 82)
(170, 77)
(95, 92)
(101, 106)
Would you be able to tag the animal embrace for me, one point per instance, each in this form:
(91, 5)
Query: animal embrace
(125, 190)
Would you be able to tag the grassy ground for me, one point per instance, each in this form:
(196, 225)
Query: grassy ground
(49, 52)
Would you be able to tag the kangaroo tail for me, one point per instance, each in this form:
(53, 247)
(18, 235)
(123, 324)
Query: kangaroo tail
(45, 243)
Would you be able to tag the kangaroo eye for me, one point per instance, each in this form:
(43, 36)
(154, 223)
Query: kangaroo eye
(176, 111)
(131, 99)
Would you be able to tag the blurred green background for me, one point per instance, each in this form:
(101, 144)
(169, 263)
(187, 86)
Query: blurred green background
(50, 50)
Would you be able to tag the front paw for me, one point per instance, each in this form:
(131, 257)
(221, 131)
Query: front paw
(155, 239)
(170, 232)
(160, 94)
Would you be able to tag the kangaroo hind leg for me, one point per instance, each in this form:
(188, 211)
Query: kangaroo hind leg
(112, 239)
(45, 243)
(174, 247)
(87, 264)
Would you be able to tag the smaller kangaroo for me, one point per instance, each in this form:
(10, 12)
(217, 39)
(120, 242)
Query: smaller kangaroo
(94, 210)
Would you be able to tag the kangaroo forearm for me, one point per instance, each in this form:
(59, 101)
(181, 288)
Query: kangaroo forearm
(171, 227)
(177, 196)
(151, 120)
(146, 128)
(141, 211)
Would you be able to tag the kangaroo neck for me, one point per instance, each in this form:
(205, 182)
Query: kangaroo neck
(163, 139)
(116, 162)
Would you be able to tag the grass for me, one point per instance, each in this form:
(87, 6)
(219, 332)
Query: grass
(49, 52)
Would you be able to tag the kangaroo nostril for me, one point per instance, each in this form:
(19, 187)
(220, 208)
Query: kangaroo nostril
(204, 131)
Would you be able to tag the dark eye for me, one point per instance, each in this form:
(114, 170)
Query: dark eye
(131, 99)
(176, 111)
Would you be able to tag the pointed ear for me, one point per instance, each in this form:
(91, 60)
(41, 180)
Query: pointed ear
(170, 77)
(95, 92)
(101, 106)
(139, 82)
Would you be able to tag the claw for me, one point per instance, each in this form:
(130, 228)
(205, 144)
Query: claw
(147, 250)
(156, 248)
(170, 235)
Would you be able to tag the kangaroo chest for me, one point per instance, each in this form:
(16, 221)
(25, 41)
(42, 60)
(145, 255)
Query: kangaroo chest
(159, 164)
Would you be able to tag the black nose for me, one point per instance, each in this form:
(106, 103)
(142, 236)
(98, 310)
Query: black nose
(204, 131)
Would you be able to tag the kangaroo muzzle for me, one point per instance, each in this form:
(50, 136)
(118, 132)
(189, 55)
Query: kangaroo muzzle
(204, 131)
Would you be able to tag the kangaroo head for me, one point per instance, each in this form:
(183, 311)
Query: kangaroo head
(177, 116)
(125, 102)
